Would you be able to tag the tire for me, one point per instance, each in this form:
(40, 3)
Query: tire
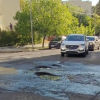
(87, 52)
(49, 47)
(93, 48)
(62, 54)
(98, 47)
(84, 54)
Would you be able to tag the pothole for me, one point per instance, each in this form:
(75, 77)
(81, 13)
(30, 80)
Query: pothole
(56, 65)
(43, 67)
(47, 76)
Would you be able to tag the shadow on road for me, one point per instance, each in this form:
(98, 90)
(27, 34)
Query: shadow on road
(91, 58)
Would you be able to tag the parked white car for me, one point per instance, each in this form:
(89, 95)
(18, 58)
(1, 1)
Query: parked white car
(94, 42)
(75, 44)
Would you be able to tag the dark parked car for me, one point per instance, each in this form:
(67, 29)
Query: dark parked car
(93, 42)
(55, 43)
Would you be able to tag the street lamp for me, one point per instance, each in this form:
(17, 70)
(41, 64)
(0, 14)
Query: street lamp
(31, 24)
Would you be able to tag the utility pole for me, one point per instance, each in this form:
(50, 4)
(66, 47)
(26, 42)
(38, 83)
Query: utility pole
(31, 24)
(95, 22)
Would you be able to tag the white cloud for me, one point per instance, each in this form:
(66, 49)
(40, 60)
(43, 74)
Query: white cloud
(94, 3)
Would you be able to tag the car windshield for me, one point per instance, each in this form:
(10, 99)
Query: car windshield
(57, 39)
(91, 38)
(75, 38)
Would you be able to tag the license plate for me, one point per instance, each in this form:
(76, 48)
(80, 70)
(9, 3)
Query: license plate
(52, 45)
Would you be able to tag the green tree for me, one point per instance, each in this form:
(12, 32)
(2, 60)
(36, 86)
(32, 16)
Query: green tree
(98, 8)
(22, 4)
(90, 29)
(97, 24)
(50, 17)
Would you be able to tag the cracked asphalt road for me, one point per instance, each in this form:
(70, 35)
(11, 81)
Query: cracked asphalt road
(18, 80)
(46, 55)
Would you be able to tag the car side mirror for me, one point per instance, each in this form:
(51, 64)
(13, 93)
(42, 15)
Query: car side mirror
(87, 40)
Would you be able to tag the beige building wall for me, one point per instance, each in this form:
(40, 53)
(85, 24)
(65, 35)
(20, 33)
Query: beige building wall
(8, 9)
(85, 5)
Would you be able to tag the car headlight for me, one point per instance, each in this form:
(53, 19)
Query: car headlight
(81, 45)
(81, 49)
(90, 43)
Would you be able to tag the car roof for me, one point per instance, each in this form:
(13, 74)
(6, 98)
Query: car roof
(77, 34)
(91, 36)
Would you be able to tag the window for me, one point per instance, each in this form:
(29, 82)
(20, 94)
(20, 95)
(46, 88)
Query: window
(75, 38)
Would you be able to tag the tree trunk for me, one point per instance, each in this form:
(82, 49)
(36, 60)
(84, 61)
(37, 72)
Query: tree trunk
(43, 41)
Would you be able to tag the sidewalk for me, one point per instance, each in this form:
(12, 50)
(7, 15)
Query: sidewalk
(26, 48)
(36, 45)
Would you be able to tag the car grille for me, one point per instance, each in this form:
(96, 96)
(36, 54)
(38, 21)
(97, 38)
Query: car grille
(72, 52)
(72, 46)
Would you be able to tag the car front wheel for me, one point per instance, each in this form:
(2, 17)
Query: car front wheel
(87, 52)
(62, 54)
(93, 48)
(98, 47)
(84, 54)
(49, 47)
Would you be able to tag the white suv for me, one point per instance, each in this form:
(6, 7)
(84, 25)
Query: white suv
(75, 44)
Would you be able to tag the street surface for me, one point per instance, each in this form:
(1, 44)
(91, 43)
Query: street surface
(44, 75)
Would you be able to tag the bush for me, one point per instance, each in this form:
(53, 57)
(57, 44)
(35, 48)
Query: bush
(13, 38)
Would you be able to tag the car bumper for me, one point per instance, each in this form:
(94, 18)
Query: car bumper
(90, 47)
(72, 51)
(54, 45)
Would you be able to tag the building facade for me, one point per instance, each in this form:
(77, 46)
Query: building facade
(8, 9)
(85, 5)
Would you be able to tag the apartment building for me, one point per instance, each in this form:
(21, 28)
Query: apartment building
(8, 9)
(85, 5)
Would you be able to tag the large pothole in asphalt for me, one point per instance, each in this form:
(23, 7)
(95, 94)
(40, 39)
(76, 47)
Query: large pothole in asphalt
(43, 67)
(56, 65)
(48, 76)
(53, 79)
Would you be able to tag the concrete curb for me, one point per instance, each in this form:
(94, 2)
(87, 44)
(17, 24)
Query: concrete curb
(16, 51)
(10, 51)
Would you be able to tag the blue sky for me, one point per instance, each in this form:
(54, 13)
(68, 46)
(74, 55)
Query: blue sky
(94, 2)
